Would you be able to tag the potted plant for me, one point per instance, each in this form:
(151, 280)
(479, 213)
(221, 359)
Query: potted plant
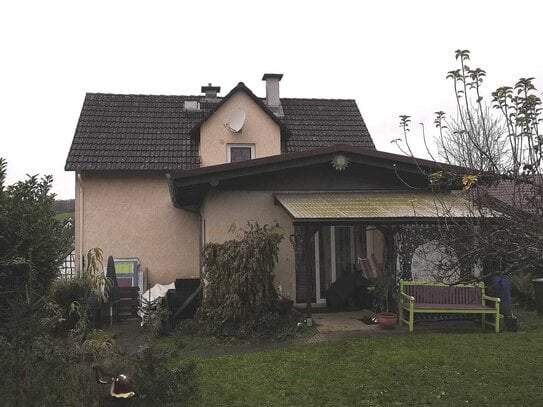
(384, 286)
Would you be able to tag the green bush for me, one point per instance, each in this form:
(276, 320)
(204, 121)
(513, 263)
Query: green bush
(240, 276)
(270, 325)
(40, 369)
(46, 370)
(29, 232)
(522, 288)
(156, 383)
(62, 295)
(64, 292)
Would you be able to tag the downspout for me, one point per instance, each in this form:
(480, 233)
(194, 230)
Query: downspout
(81, 217)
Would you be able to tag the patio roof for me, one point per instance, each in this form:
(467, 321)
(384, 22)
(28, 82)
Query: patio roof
(377, 207)
(188, 188)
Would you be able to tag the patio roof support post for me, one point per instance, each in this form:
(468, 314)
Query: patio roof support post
(390, 255)
(309, 233)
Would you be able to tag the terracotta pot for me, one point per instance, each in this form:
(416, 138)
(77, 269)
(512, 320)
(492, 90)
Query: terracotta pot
(387, 320)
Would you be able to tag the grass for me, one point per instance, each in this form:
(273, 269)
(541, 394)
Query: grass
(187, 343)
(62, 217)
(411, 370)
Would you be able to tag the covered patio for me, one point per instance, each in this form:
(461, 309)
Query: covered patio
(339, 207)
(350, 237)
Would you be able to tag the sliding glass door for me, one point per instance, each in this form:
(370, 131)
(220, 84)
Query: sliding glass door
(336, 250)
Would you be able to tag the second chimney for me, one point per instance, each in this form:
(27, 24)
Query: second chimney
(211, 91)
(272, 92)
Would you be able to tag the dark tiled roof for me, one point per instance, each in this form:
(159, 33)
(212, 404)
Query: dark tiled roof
(520, 195)
(324, 122)
(143, 132)
(133, 132)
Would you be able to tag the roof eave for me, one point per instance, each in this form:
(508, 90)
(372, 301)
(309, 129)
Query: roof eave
(306, 157)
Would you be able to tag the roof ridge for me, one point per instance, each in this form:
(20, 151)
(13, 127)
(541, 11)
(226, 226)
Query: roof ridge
(142, 95)
(203, 96)
(327, 99)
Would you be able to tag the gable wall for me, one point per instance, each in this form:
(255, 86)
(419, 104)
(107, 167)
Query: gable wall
(131, 215)
(259, 129)
(323, 176)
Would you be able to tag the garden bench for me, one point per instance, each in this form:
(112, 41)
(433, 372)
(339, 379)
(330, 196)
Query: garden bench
(437, 298)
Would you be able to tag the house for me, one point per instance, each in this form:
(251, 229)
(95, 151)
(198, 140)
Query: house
(159, 176)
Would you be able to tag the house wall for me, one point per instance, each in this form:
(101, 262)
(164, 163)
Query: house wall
(259, 129)
(132, 215)
(224, 208)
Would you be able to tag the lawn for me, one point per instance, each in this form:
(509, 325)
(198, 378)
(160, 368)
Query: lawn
(412, 370)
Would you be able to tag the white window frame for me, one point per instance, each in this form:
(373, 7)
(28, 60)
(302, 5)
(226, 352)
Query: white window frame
(229, 147)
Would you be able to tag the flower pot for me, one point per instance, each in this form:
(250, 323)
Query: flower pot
(387, 320)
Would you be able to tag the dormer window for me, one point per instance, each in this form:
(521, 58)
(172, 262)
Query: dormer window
(240, 152)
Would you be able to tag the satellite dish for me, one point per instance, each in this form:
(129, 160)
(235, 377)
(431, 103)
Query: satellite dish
(236, 121)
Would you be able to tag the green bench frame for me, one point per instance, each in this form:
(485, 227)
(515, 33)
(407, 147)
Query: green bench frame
(457, 304)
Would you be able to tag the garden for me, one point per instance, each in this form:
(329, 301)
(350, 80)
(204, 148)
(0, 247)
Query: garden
(52, 354)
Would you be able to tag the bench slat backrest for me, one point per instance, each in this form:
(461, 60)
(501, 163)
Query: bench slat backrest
(444, 294)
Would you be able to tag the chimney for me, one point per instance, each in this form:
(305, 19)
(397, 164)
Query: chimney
(272, 92)
(210, 92)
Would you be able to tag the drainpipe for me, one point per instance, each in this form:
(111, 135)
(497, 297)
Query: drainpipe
(309, 233)
(80, 231)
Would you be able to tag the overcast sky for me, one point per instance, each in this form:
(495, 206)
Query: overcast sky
(392, 57)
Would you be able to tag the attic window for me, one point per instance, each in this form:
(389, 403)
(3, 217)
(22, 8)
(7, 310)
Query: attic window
(240, 152)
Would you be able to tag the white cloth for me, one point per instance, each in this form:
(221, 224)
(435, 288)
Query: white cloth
(149, 297)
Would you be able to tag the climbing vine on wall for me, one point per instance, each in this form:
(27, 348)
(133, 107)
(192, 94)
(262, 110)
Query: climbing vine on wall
(452, 243)
(239, 274)
(411, 237)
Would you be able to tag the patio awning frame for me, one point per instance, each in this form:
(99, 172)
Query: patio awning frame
(295, 209)
(378, 221)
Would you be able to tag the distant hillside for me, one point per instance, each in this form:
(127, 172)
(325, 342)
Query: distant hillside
(64, 205)
(64, 216)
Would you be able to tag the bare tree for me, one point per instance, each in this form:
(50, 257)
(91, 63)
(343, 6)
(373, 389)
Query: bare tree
(461, 142)
(501, 178)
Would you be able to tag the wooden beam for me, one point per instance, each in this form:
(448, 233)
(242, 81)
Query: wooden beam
(309, 233)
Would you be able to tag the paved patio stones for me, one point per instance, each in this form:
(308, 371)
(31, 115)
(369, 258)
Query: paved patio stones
(343, 321)
(317, 338)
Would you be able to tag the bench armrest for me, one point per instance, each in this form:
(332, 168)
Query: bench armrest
(495, 299)
(409, 298)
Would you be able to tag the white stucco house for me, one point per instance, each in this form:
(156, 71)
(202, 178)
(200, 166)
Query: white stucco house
(159, 176)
